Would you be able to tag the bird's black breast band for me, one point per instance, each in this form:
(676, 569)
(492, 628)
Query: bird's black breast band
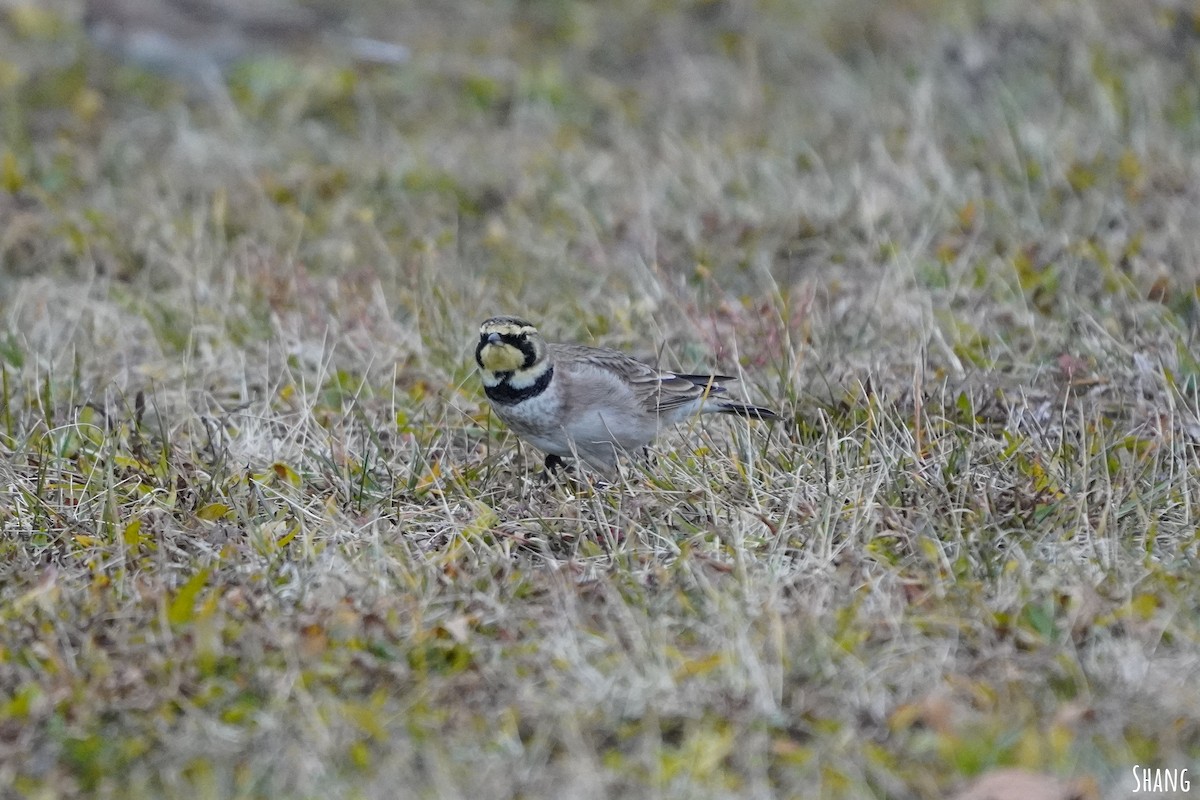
(505, 394)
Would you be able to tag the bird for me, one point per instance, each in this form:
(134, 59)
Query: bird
(196, 40)
(593, 403)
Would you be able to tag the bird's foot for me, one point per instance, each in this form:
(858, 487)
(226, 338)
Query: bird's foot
(553, 465)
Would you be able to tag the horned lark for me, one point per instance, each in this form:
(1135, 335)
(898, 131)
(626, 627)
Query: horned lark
(571, 400)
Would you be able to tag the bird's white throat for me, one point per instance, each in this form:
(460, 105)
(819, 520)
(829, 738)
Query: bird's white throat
(524, 378)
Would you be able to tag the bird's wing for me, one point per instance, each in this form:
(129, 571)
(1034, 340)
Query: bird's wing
(654, 390)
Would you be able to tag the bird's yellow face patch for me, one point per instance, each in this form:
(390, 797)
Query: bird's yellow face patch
(501, 357)
(507, 346)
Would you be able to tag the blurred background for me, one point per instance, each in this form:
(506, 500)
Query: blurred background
(260, 537)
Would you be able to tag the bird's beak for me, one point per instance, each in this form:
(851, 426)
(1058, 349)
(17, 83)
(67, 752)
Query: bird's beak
(493, 338)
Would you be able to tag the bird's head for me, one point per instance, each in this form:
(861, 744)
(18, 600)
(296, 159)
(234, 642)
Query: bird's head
(509, 344)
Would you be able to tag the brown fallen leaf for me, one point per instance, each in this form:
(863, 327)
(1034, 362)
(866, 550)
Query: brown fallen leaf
(1019, 784)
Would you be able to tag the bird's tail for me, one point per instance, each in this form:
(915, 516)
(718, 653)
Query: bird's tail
(713, 386)
(744, 410)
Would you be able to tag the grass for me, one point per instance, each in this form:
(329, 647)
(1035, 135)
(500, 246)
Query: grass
(261, 537)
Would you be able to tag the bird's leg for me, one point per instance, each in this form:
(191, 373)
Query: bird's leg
(553, 464)
(648, 457)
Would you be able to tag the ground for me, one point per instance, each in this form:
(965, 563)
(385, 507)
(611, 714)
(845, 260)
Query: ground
(260, 536)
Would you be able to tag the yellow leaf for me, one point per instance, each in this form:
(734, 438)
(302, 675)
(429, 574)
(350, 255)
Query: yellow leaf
(286, 473)
(366, 718)
(698, 666)
(431, 479)
(182, 608)
(360, 754)
(130, 462)
(282, 541)
(1144, 605)
(213, 512)
(1129, 168)
(11, 179)
(132, 535)
(23, 702)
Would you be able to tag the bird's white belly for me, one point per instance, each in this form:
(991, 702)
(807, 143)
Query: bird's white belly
(539, 421)
(628, 430)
